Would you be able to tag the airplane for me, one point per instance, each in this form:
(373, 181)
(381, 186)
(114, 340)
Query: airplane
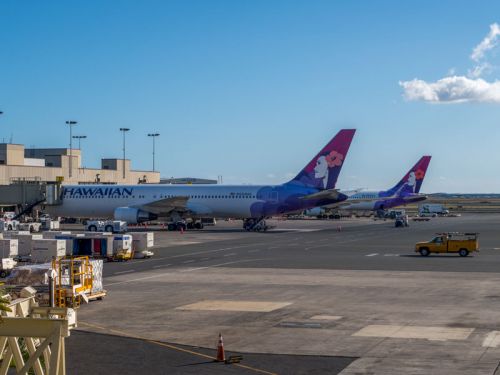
(313, 186)
(404, 192)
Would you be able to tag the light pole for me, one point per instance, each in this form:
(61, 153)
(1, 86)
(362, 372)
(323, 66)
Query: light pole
(153, 135)
(71, 123)
(79, 137)
(124, 130)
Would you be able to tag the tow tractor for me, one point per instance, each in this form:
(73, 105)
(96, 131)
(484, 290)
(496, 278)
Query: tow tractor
(450, 242)
(114, 226)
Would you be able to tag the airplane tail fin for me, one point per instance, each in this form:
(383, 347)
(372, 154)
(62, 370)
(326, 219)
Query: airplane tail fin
(412, 181)
(324, 169)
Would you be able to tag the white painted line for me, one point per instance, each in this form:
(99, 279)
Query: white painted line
(254, 251)
(326, 317)
(391, 255)
(173, 272)
(120, 272)
(206, 251)
(492, 340)
(224, 305)
(415, 332)
(162, 265)
(188, 261)
(371, 255)
(229, 255)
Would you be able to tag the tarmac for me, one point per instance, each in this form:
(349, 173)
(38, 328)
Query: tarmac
(309, 296)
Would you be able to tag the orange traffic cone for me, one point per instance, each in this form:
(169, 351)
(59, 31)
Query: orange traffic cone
(221, 357)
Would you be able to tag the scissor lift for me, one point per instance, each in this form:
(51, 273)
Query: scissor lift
(73, 280)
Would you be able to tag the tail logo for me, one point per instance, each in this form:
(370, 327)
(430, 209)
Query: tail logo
(413, 178)
(324, 163)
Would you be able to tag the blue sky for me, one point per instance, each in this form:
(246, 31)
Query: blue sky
(251, 90)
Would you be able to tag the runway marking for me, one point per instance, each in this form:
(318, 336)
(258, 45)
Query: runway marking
(297, 230)
(203, 259)
(371, 255)
(188, 270)
(173, 347)
(188, 261)
(415, 332)
(326, 317)
(492, 340)
(162, 265)
(315, 247)
(227, 305)
(229, 255)
(121, 272)
(208, 251)
(220, 264)
(391, 255)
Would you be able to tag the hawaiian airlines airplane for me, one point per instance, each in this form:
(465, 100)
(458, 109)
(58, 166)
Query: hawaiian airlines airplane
(404, 192)
(313, 186)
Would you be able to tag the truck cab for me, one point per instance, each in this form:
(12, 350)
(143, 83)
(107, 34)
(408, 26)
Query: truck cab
(451, 242)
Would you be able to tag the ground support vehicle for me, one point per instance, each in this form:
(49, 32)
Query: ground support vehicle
(450, 242)
(31, 227)
(6, 225)
(113, 226)
(401, 221)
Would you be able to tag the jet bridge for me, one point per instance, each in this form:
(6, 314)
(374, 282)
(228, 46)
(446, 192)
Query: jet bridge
(26, 193)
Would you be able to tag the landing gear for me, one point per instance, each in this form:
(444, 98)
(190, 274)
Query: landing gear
(256, 225)
(183, 225)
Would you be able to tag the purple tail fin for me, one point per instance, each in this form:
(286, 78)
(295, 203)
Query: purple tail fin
(323, 170)
(412, 181)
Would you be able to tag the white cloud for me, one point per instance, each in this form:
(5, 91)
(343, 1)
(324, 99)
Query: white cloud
(459, 89)
(488, 43)
(271, 175)
(456, 89)
(478, 70)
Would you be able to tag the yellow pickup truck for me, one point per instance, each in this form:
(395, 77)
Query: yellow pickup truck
(451, 242)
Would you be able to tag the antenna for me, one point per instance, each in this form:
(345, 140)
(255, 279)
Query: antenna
(11, 137)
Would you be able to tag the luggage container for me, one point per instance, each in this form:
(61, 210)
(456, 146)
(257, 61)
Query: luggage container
(45, 250)
(25, 243)
(142, 241)
(6, 267)
(49, 224)
(54, 233)
(96, 246)
(97, 268)
(9, 248)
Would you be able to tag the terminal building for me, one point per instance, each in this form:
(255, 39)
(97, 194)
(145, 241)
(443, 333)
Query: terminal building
(47, 165)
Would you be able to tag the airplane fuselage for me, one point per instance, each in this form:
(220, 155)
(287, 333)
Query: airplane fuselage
(223, 201)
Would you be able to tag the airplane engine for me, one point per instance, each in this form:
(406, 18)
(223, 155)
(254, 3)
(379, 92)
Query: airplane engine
(133, 215)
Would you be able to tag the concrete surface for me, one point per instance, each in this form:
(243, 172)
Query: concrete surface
(354, 292)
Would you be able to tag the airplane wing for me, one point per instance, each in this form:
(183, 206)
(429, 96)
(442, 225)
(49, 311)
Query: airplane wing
(165, 206)
(323, 194)
(346, 203)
